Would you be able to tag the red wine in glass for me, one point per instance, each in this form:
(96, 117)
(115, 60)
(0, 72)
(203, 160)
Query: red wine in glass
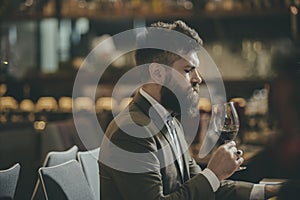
(226, 122)
(227, 135)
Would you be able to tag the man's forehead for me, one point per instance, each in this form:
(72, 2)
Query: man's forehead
(190, 59)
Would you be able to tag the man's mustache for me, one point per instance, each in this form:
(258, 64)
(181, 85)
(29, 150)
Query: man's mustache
(196, 87)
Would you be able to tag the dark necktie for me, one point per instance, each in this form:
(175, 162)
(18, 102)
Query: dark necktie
(172, 127)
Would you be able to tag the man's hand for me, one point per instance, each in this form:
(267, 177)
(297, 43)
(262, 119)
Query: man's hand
(225, 161)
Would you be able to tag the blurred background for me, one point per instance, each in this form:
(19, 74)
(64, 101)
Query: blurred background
(43, 43)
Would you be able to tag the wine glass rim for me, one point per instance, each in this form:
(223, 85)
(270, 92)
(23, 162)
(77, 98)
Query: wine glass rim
(223, 103)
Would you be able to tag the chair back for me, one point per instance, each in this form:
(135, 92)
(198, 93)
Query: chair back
(89, 163)
(58, 157)
(65, 181)
(54, 158)
(8, 181)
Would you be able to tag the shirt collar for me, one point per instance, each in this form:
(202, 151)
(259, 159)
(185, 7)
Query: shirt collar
(162, 111)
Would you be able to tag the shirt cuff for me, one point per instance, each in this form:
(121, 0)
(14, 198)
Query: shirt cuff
(257, 192)
(212, 179)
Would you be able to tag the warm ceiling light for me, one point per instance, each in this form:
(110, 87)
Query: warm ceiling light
(204, 104)
(47, 104)
(65, 104)
(105, 103)
(83, 103)
(294, 10)
(27, 105)
(8, 103)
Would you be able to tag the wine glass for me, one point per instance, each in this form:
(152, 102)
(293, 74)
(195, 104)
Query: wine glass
(226, 122)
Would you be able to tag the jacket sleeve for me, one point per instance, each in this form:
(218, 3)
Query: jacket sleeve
(231, 190)
(148, 184)
(234, 190)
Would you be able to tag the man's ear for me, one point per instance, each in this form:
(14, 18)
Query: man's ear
(157, 73)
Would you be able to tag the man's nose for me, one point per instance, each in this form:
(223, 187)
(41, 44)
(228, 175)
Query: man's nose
(196, 78)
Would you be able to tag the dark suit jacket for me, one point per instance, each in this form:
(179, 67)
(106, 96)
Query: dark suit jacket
(132, 176)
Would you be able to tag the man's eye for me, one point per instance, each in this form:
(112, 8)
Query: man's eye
(188, 70)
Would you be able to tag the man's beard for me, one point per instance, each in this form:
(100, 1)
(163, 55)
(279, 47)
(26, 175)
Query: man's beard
(184, 104)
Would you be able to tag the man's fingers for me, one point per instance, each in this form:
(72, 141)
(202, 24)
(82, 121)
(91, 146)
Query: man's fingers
(239, 153)
(230, 144)
(240, 161)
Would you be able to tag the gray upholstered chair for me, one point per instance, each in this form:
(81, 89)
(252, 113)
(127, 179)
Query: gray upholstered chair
(54, 158)
(65, 182)
(89, 163)
(8, 181)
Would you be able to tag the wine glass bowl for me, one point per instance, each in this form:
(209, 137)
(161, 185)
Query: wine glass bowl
(226, 122)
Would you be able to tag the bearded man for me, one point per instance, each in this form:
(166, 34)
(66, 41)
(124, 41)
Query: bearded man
(144, 154)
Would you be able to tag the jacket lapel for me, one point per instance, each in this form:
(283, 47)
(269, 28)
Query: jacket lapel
(145, 106)
(167, 135)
